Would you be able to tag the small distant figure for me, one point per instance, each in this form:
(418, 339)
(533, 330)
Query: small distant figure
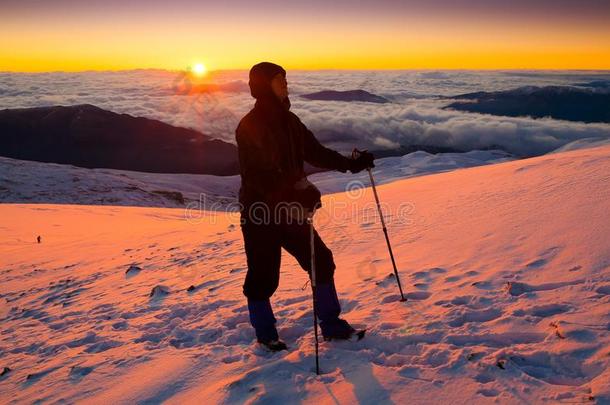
(39, 238)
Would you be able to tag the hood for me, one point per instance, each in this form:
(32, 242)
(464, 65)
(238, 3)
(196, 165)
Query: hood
(261, 75)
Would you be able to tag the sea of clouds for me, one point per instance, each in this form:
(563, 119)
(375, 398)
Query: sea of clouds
(415, 115)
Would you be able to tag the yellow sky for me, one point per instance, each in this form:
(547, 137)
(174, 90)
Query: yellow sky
(357, 43)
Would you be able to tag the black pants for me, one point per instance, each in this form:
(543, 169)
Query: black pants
(263, 244)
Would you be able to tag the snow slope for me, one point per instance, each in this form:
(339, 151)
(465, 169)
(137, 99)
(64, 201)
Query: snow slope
(29, 182)
(37, 182)
(506, 267)
(583, 143)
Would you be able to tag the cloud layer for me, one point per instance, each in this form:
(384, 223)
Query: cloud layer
(414, 117)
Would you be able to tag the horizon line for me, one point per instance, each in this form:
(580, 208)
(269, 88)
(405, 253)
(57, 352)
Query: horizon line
(318, 70)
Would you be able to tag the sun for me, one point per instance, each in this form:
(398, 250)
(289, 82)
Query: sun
(199, 69)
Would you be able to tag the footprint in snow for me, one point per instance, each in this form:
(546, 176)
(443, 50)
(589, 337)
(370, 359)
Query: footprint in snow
(132, 271)
(418, 295)
(390, 298)
(34, 377)
(78, 372)
(604, 289)
(517, 288)
(428, 275)
(487, 392)
(158, 293)
(484, 378)
(485, 315)
(543, 311)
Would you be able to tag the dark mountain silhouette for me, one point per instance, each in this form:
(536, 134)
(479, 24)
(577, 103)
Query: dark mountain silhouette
(560, 102)
(348, 95)
(88, 136)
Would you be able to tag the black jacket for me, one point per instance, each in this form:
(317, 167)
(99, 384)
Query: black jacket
(272, 145)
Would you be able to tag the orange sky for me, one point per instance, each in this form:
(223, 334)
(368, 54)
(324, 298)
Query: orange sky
(71, 36)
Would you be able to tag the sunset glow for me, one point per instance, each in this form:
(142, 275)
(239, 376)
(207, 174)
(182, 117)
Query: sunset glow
(315, 201)
(72, 36)
(199, 69)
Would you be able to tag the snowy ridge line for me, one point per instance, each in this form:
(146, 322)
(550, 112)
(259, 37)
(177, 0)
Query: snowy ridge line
(35, 182)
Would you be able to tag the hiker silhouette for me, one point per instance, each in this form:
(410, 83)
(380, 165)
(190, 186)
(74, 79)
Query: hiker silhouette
(276, 198)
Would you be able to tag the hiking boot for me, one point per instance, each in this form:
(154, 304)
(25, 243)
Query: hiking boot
(273, 345)
(338, 329)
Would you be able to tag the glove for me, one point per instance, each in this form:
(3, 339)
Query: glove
(308, 195)
(361, 160)
(308, 199)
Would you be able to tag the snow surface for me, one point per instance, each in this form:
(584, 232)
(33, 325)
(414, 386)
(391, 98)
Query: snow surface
(28, 181)
(583, 144)
(506, 267)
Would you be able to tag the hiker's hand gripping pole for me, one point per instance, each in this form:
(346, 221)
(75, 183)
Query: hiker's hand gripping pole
(355, 154)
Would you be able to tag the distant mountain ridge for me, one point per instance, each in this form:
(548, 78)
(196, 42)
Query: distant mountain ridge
(347, 95)
(560, 102)
(91, 137)
(595, 84)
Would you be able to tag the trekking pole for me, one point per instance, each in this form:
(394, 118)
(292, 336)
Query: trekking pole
(355, 154)
(313, 289)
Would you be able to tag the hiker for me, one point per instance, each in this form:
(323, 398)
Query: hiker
(273, 143)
